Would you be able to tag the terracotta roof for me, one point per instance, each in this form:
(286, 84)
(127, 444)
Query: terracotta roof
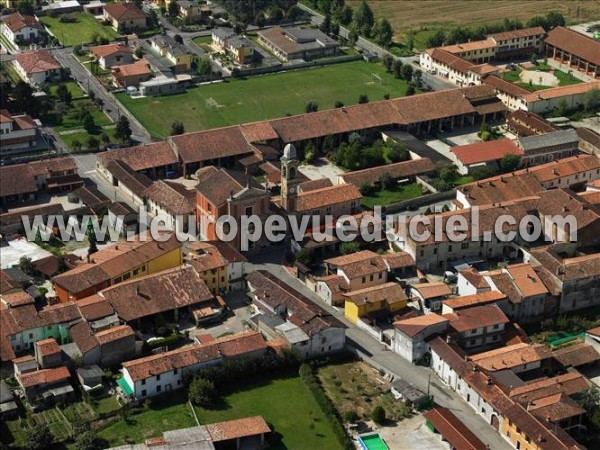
(140, 67)
(335, 283)
(17, 22)
(113, 334)
(142, 157)
(389, 293)
(37, 61)
(450, 354)
(453, 430)
(173, 197)
(511, 356)
(575, 43)
(501, 189)
(49, 266)
(569, 383)
(258, 132)
(528, 124)
(136, 182)
(469, 46)
(594, 331)
(238, 428)
(113, 261)
(555, 408)
(476, 317)
(400, 170)
(432, 290)
(102, 51)
(7, 283)
(43, 376)
(237, 345)
(17, 179)
(364, 262)
(208, 258)
(82, 335)
(568, 268)
(228, 252)
(123, 11)
(312, 185)
(451, 60)
(94, 307)
(485, 151)
(47, 347)
(217, 185)
(467, 301)
(398, 260)
(302, 312)
(526, 280)
(152, 294)
(211, 144)
(576, 355)
(561, 91)
(473, 276)
(589, 135)
(413, 326)
(516, 34)
(90, 196)
(565, 167)
(327, 196)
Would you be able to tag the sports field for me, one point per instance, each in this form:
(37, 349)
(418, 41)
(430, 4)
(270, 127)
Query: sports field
(263, 97)
(405, 15)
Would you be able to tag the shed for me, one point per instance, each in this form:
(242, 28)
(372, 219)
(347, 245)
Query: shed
(402, 389)
(90, 377)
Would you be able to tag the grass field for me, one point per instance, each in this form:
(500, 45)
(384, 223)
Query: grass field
(263, 97)
(77, 32)
(287, 404)
(386, 197)
(72, 87)
(407, 15)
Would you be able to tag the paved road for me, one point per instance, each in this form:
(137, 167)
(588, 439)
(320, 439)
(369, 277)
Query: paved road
(384, 358)
(89, 83)
(86, 168)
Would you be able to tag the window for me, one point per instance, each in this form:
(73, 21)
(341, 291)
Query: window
(158, 377)
(364, 279)
(143, 267)
(30, 335)
(135, 272)
(248, 210)
(371, 278)
(174, 371)
(127, 276)
(144, 393)
(422, 253)
(158, 388)
(435, 250)
(222, 279)
(118, 280)
(464, 245)
(144, 382)
(449, 248)
(49, 327)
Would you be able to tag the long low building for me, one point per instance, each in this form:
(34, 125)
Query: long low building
(577, 50)
(548, 100)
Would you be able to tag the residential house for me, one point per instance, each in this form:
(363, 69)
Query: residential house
(410, 335)
(522, 357)
(8, 407)
(98, 312)
(172, 293)
(120, 262)
(430, 295)
(332, 288)
(239, 48)
(520, 43)
(125, 17)
(47, 353)
(47, 386)
(211, 265)
(525, 123)
(574, 49)
(472, 156)
(222, 192)
(509, 93)
(19, 132)
(325, 333)
(479, 52)
(548, 147)
(133, 74)
(177, 54)
(192, 11)
(236, 269)
(384, 299)
(21, 29)
(173, 202)
(37, 67)
(130, 183)
(153, 375)
(484, 298)
(360, 270)
(548, 100)
(106, 348)
(577, 355)
(111, 55)
(297, 43)
(476, 327)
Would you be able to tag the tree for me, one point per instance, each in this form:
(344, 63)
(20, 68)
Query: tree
(86, 441)
(38, 438)
(418, 78)
(139, 52)
(260, 20)
(562, 108)
(349, 247)
(410, 90)
(386, 182)
(350, 416)
(152, 18)
(410, 41)
(397, 69)
(509, 162)
(436, 40)
(87, 122)
(63, 94)
(177, 38)
(483, 172)
(76, 144)
(123, 130)
(395, 152)
(384, 33)
(407, 72)
(23, 96)
(325, 26)
(324, 6)
(591, 100)
(204, 67)
(388, 62)
(105, 138)
(25, 265)
(363, 18)
(177, 128)
(589, 399)
(362, 99)
(173, 9)
(202, 392)
(311, 106)
(92, 142)
(338, 104)
(352, 35)
(555, 19)
(305, 257)
(386, 96)
(25, 7)
(378, 415)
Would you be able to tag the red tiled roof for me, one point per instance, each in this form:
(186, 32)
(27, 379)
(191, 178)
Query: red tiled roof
(102, 51)
(467, 301)
(124, 11)
(486, 151)
(576, 355)
(357, 264)
(94, 307)
(516, 34)
(561, 91)
(575, 43)
(142, 157)
(37, 61)
(211, 144)
(413, 326)
(137, 68)
(404, 169)
(453, 430)
(328, 196)
(173, 197)
(238, 428)
(44, 376)
(47, 347)
(17, 21)
(476, 317)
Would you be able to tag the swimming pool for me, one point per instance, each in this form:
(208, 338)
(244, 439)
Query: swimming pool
(372, 442)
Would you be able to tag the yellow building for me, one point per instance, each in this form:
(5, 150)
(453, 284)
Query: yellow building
(180, 58)
(117, 263)
(387, 298)
(211, 265)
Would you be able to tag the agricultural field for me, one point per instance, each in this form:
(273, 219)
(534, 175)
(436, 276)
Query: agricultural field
(71, 33)
(425, 16)
(264, 97)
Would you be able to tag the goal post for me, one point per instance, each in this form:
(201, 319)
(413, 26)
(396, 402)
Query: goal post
(377, 77)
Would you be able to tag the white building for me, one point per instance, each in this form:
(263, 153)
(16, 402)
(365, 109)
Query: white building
(410, 335)
(18, 132)
(20, 29)
(37, 67)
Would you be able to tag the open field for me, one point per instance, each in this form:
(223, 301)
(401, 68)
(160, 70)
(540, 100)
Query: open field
(263, 97)
(287, 404)
(77, 32)
(406, 15)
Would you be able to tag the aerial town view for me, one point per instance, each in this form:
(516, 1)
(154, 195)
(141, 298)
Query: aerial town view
(300, 224)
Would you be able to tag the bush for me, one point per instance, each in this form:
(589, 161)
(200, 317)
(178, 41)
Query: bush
(486, 136)
(378, 415)
(66, 18)
(202, 392)
(350, 416)
(367, 190)
(349, 247)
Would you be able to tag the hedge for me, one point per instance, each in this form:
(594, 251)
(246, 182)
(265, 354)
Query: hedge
(308, 377)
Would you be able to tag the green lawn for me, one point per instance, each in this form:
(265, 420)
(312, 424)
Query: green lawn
(386, 197)
(162, 414)
(463, 179)
(77, 32)
(566, 79)
(513, 76)
(263, 97)
(287, 404)
(71, 121)
(72, 87)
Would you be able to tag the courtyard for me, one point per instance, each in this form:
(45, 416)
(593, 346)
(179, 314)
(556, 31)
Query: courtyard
(264, 97)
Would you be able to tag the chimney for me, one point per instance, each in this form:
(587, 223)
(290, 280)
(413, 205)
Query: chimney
(116, 246)
(489, 380)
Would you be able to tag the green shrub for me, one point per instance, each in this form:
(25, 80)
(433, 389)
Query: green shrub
(378, 415)
(350, 416)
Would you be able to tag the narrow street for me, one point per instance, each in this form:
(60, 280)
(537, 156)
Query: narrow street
(376, 353)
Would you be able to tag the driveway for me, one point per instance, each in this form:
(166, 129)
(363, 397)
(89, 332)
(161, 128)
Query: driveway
(411, 434)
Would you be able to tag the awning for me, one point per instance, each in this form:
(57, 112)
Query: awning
(124, 386)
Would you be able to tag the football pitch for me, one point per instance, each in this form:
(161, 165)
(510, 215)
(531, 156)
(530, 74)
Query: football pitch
(264, 97)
